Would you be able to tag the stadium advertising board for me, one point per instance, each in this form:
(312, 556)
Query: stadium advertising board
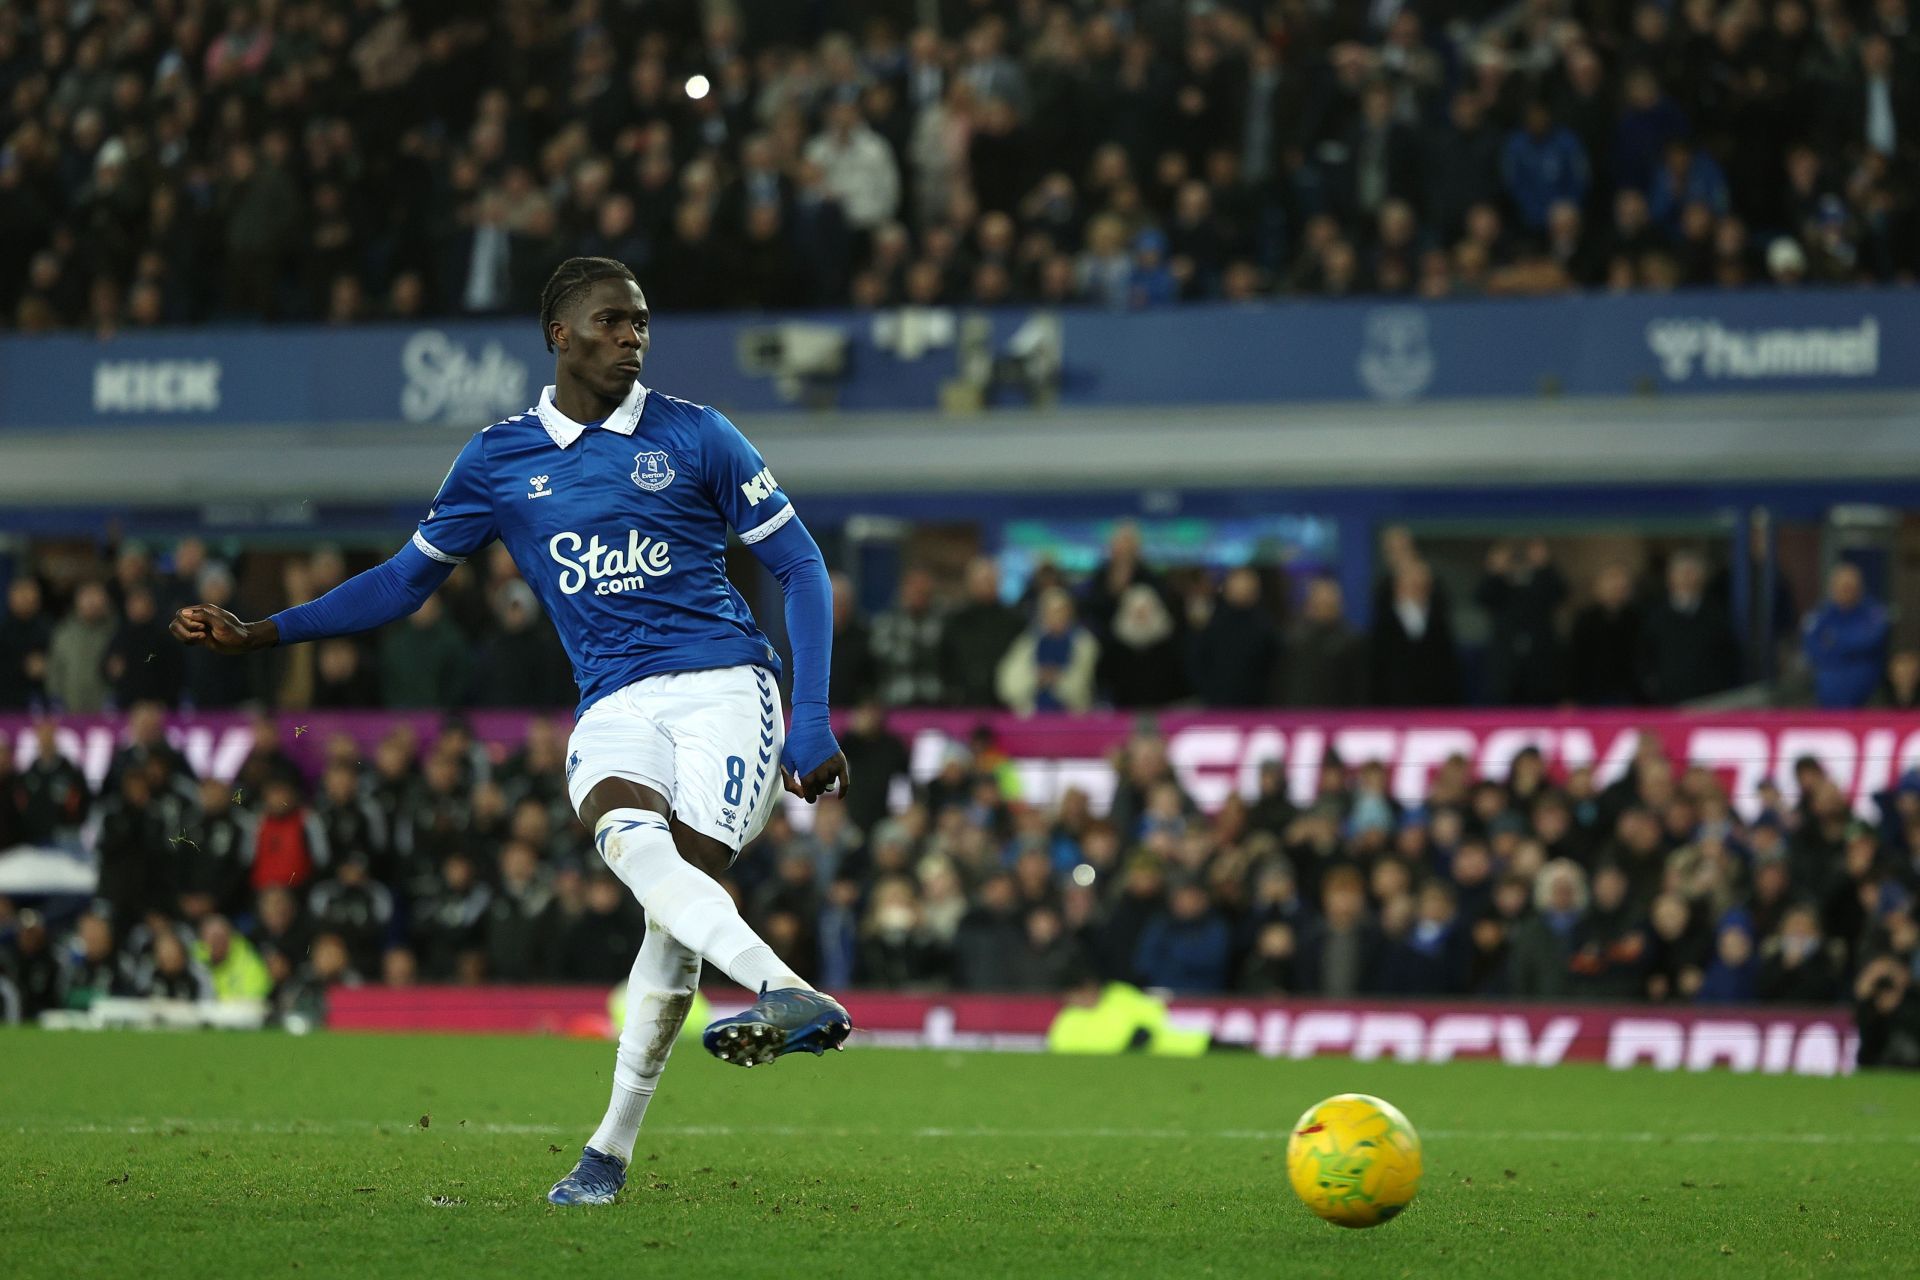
(1741, 1039)
(1212, 753)
(468, 373)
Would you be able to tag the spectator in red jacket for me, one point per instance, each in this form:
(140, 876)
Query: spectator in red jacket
(288, 845)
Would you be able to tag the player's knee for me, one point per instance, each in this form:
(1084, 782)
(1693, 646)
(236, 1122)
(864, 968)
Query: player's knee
(620, 793)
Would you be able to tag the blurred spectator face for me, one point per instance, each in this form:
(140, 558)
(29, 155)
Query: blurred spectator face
(277, 910)
(916, 591)
(397, 968)
(1343, 901)
(997, 894)
(1189, 902)
(216, 935)
(894, 910)
(1390, 879)
(1903, 671)
(1670, 914)
(1563, 889)
(443, 772)
(1800, 933)
(1483, 225)
(991, 283)
(1610, 885)
(604, 895)
(1630, 215)
(1510, 898)
(1043, 928)
(1903, 933)
(763, 222)
(1413, 583)
(1845, 587)
(96, 938)
(1144, 879)
(340, 783)
(1436, 904)
(280, 798)
(146, 724)
(407, 296)
(1876, 57)
(393, 759)
(1734, 946)
(1325, 603)
(1771, 879)
(90, 603)
(518, 863)
(1472, 864)
(1034, 871)
(329, 958)
(1242, 590)
(1686, 577)
(1275, 942)
(23, 597)
(1376, 105)
(146, 305)
(215, 798)
(169, 957)
(1614, 587)
(1563, 221)
(983, 580)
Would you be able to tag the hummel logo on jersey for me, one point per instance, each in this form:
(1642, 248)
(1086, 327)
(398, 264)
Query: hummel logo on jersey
(611, 570)
(760, 488)
(540, 489)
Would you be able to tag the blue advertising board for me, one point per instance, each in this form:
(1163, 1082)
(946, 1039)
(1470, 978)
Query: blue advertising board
(472, 372)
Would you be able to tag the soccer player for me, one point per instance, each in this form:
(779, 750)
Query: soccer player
(615, 502)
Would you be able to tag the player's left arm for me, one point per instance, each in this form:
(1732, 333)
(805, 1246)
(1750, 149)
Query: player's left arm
(753, 503)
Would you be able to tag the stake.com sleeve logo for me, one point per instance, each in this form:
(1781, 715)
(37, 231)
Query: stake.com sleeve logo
(611, 570)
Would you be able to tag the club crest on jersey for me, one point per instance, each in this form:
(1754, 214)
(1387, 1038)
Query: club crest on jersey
(652, 471)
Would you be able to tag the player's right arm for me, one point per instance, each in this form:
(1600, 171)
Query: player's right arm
(459, 523)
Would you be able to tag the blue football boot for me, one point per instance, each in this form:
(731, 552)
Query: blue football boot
(779, 1022)
(597, 1179)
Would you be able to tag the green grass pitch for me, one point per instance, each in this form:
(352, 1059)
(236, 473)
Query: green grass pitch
(263, 1155)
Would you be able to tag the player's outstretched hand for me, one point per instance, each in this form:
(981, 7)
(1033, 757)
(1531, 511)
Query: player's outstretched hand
(217, 629)
(822, 780)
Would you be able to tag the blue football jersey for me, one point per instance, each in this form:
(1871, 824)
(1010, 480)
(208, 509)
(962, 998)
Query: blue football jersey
(620, 528)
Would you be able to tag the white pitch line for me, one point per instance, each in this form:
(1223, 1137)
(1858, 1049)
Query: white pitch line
(189, 1127)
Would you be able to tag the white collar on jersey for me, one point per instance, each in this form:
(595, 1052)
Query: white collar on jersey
(564, 430)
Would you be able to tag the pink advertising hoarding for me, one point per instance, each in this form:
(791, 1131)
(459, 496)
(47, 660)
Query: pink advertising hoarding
(1214, 753)
(1699, 1038)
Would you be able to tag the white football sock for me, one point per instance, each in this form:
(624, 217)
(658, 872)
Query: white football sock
(620, 1128)
(659, 991)
(637, 846)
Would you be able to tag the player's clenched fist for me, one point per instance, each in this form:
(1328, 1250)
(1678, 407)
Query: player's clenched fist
(219, 630)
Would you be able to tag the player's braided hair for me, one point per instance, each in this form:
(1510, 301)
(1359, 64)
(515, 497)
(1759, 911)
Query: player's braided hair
(568, 279)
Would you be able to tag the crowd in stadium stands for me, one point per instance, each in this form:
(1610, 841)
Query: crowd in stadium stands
(179, 161)
(445, 861)
(81, 635)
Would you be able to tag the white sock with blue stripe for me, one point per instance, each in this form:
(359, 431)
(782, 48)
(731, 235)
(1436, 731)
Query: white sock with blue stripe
(689, 904)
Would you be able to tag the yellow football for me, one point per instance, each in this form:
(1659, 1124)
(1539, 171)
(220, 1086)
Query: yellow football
(1354, 1159)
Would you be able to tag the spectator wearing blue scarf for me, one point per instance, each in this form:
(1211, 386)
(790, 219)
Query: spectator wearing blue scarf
(1050, 667)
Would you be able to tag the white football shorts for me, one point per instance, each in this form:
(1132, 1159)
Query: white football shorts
(709, 741)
